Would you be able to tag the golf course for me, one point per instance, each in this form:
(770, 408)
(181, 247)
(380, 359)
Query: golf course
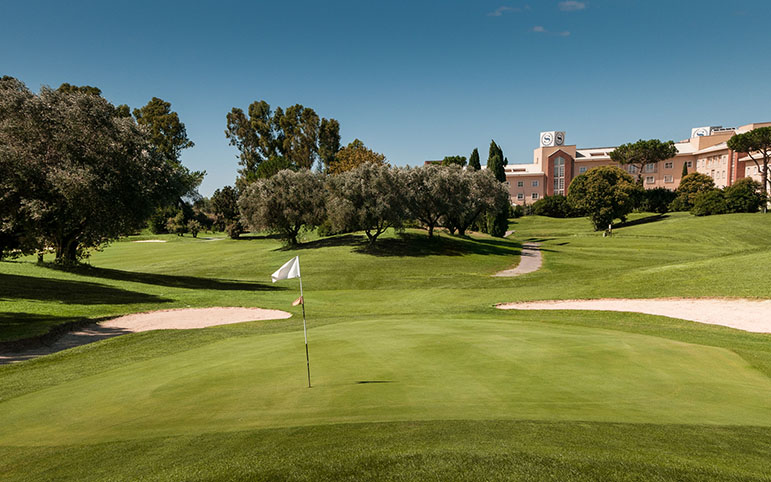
(416, 374)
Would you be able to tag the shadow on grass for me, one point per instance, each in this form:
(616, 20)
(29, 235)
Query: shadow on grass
(18, 326)
(330, 242)
(172, 281)
(69, 292)
(415, 245)
(645, 220)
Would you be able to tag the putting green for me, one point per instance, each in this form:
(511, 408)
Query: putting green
(436, 369)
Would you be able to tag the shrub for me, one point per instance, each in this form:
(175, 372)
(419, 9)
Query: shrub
(690, 186)
(657, 200)
(234, 229)
(516, 211)
(707, 203)
(556, 206)
(194, 227)
(745, 196)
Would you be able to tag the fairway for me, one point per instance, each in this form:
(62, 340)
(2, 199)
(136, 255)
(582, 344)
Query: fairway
(415, 373)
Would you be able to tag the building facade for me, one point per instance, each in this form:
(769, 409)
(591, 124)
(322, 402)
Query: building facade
(555, 164)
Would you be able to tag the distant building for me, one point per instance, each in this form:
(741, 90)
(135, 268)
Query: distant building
(556, 164)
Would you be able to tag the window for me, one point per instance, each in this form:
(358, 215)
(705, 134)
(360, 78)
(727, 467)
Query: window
(559, 176)
(582, 169)
(534, 195)
(669, 165)
(632, 169)
(650, 180)
(520, 196)
(689, 164)
(669, 179)
(520, 183)
(535, 183)
(650, 167)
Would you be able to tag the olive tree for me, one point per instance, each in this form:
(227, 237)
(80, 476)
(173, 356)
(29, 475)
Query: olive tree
(472, 194)
(74, 174)
(369, 197)
(604, 194)
(284, 204)
(427, 191)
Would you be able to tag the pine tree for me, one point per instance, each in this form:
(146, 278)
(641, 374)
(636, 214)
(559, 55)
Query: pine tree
(496, 162)
(473, 161)
(685, 169)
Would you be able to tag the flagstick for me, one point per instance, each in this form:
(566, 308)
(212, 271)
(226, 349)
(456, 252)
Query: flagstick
(305, 331)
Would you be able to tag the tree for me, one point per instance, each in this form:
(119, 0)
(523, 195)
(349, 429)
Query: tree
(66, 88)
(473, 160)
(224, 205)
(354, 155)
(685, 170)
(73, 174)
(707, 203)
(454, 161)
(167, 132)
(757, 144)
(329, 141)
(427, 189)
(689, 187)
(643, 152)
(473, 193)
(745, 196)
(295, 134)
(556, 206)
(604, 194)
(285, 204)
(657, 200)
(496, 162)
(369, 197)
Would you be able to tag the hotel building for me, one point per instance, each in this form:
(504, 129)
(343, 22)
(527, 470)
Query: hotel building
(555, 164)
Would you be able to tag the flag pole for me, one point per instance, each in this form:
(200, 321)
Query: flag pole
(305, 332)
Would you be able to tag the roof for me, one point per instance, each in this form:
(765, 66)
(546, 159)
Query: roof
(716, 147)
(522, 169)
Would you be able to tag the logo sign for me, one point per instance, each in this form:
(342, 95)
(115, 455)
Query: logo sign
(559, 138)
(546, 139)
(701, 132)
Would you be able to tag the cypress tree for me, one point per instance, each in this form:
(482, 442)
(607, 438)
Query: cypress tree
(496, 161)
(685, 169)
(473, 161)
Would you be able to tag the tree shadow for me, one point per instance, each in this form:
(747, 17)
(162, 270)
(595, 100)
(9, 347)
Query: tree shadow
(69, 291)
(645, 220)
(15, 328)
(257, 237)
(171, 281)
(414, 245)
(330, 242)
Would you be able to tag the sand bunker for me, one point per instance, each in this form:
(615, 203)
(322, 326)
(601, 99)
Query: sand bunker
(151, 241)
(180, 319)
(747, 315)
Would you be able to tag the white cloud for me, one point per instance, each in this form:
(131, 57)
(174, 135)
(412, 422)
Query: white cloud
(571, 6)
(542, 29)
(498, 12)
(539, 29)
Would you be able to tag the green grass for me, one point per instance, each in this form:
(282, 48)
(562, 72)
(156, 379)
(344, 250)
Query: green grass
(454, 389)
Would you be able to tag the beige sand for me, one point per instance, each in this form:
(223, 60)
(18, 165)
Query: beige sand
(151, 241)
(747, 315)
(529, 261)
(180, 319)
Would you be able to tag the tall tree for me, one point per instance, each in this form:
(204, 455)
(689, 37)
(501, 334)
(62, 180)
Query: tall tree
(643, 152)
(428, 189)
(167, 132)
(757, 144)
(224, 206)
(295, 134)
(605, 193)
(685, 170)
(73, 175)
(473, 160)
(496, 162)
(354, 155)
(329, 141)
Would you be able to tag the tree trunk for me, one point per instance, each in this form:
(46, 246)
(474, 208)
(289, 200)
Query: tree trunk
(765, 182)
(461, 231)
(67, 251)
(430, 230)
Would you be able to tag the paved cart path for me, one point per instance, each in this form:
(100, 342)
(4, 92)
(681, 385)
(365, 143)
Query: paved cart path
(530, 260)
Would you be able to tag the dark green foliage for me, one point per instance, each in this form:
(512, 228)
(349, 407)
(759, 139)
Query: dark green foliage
(690, 186)
(556, 206)
(707, 203)
(685, 170)
(745, 196)
(73, 173)
(516, 211)
(496, 162)
(224, 206)
(757, 144)
(605, 193)
(642, 152)
(167, 133)
(194, 227)
(473, 160)
(81, 89)
(177, 224)
(297, 134)
(158, 219)
(454, 161)
(657, 200)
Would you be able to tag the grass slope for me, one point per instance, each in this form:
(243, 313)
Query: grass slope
(461, 382)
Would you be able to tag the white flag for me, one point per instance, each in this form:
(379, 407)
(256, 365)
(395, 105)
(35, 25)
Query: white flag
(291, 269)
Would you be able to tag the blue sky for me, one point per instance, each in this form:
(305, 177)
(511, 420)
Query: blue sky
(414, 80)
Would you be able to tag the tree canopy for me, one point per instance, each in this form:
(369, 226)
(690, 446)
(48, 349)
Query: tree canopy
(757, 145)
(496, 162)
(690, 186)
(354, 155)
(73, 174)
(642, 152)
(604, 193)
(454, 161)
(473, 160)
(167, 132)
